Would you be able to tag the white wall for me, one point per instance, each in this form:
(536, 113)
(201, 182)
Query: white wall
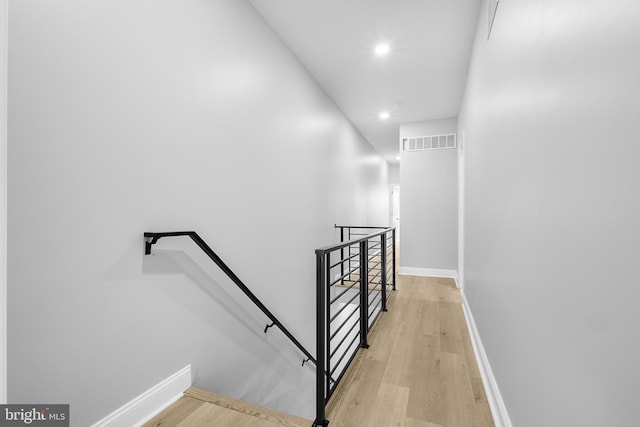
(428, 203)
(126, 117)
(394, 173)
(550, 114)
(3, 198)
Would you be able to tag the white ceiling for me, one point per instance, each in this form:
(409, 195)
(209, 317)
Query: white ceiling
(421, 78)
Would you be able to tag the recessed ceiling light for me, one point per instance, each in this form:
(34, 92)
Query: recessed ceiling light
(382, 49)
(384, 115)
(398, 158)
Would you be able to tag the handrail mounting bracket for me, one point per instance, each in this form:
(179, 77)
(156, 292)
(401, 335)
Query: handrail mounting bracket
(150, 239)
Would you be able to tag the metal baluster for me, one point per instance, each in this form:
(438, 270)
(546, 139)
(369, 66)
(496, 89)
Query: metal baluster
(364, 293)
(383, 252)
(393, 248)
(342, 255)
(320, 340)
(327, 304)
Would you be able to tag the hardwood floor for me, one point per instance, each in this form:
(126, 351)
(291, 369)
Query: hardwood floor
(420, 369)
(202, 408)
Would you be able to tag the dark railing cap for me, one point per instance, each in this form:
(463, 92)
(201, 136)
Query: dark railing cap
(361, 226)
(337, 246)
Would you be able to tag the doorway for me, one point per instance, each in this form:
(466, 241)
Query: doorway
(395, 209)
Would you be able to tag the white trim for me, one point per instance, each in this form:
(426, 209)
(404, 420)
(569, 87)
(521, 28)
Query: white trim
(498, 409)
(4, 37)
(150, 403)
(429, 272)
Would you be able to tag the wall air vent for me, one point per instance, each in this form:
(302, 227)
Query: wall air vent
(433, 142)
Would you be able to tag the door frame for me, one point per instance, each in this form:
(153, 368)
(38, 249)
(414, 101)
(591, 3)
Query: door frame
(392, 223)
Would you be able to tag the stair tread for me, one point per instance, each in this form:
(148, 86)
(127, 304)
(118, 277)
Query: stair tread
(176, 413)
(203, 408)
(248, 409)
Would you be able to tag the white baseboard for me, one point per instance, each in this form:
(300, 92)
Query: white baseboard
(429, 272)
(150, 403)
(498, 409)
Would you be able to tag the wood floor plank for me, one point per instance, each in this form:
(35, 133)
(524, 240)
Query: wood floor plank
(438, 288)
(450, 326)
(430, 325)
(481, 410)
(457, 396)
(339, 395)
(411, 422)
(382, 340)
(205, 415)
(425, 398)
(409, 344)
(398, 358)
(175, 413)
(390, 406)
(248, 408)
(353, 406)
(447, 290)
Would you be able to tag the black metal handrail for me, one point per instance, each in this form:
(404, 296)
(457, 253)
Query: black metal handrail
(152, 238)
(372, 263)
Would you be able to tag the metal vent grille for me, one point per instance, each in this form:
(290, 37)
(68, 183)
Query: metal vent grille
(433, 142)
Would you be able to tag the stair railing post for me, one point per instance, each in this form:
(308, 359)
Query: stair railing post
(327, 319)
(320, 339)
(393, 250)
(383, 269)
(342, 256)
(364, 293)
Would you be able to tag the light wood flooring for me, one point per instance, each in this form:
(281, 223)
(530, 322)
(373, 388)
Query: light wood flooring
(202, 408)
(420, 369)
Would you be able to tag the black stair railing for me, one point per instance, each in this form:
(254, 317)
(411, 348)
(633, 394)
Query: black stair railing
(152, 238)
(354, 280)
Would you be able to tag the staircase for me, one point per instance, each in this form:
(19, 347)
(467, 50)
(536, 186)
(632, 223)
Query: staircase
(202, 408)
(365, 266)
